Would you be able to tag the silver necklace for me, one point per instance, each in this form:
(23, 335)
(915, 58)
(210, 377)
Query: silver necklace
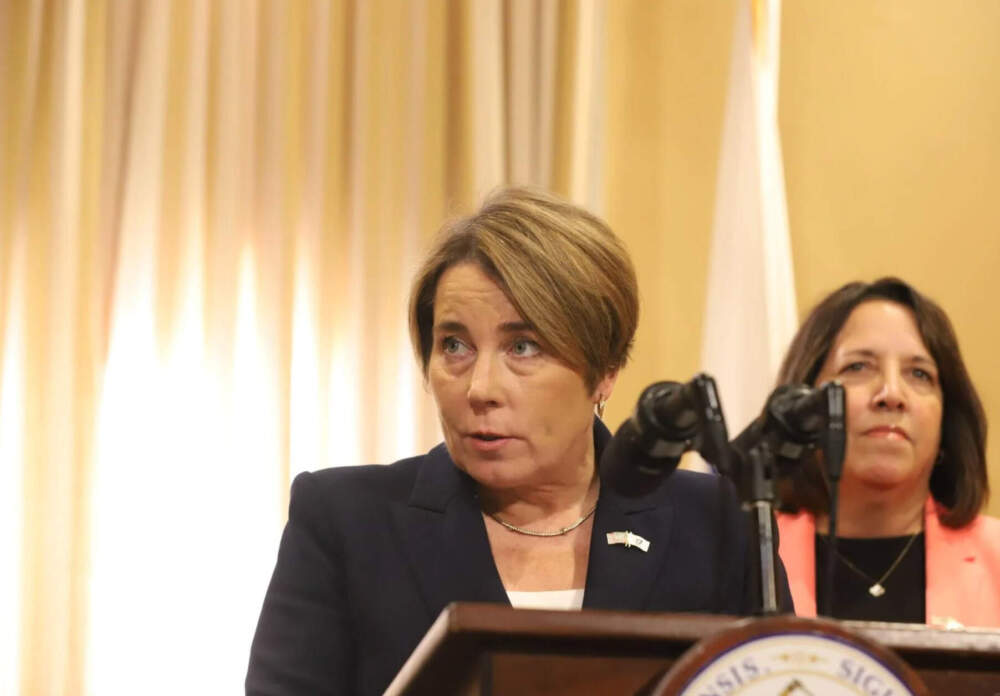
(558, 532)
(877, 589)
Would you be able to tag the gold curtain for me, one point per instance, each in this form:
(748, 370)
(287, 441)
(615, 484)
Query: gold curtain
(209, 213)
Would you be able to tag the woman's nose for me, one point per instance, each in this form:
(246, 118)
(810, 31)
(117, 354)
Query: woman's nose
(484, 388)
(890, 393)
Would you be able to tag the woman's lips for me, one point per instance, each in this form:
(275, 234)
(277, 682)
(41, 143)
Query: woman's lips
(888, 432)
(487, 442)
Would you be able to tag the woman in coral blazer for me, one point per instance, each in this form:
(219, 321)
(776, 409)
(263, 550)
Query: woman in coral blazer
(962, 568)
(912, 545)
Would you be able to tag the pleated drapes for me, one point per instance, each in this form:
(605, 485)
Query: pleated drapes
(210, 211)
(209, 215)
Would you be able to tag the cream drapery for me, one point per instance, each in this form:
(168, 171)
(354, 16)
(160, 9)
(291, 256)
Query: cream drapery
(209, 209)
(209, 213)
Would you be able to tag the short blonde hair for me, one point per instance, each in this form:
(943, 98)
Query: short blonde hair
(561, 267)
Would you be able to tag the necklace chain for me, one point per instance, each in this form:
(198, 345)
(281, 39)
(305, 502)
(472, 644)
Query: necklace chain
(877, 589)
(558, 532)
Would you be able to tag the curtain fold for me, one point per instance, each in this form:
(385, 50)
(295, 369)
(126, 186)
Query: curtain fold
(209, 215)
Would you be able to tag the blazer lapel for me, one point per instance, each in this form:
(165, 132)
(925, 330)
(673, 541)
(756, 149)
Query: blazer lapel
(797, 549)
(620, 577)
(444, 538)
(959, 586)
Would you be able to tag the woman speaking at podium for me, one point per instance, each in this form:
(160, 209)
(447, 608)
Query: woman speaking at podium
(521, 317)
(912, 546)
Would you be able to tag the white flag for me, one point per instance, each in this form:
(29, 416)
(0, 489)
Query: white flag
(750, 314)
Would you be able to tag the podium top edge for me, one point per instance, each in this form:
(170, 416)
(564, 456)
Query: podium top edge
(600, 624)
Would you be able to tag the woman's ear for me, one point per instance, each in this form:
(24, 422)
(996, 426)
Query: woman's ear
(602, 392)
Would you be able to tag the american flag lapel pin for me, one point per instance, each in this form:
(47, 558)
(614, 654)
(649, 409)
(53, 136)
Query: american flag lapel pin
(629, 539)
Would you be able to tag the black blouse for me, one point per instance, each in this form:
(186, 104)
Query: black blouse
(903, 599)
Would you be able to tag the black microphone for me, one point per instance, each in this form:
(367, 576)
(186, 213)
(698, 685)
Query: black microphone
(669, 419)
(796, 418)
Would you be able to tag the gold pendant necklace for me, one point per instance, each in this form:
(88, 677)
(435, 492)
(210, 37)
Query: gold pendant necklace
(877, 589)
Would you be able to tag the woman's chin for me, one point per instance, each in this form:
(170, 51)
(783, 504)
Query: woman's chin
(885, 475)
(496, 472)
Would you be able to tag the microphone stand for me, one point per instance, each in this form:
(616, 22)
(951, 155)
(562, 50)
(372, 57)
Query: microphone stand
(759, 495)
(756, 474)
(834, 450)
(664, 427)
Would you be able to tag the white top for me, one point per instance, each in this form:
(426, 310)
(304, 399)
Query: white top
(551, 599)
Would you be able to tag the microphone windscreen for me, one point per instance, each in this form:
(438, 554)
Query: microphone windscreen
(629, 467)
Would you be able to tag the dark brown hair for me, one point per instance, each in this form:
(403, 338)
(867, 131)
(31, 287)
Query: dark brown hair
(959, 480)
(561, 267)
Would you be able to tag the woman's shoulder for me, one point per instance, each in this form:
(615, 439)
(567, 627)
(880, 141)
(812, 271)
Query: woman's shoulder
(362, 484)
(694, 490)
(688, 481)
(698, 480)
(361, 473)
(982, 533)
(985, 526)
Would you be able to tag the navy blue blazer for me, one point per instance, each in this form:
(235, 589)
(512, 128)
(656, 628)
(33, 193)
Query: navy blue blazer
(372, 554)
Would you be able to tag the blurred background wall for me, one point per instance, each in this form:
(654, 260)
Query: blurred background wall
(209, 212)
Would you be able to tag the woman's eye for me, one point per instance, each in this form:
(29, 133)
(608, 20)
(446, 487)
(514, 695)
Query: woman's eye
(923, 374)
(452, 346)
(525, 348)
(856, 366)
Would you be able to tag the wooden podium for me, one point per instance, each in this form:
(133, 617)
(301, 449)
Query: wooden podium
(494, 649)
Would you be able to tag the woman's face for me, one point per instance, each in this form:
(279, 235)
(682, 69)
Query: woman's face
(894, 401)
(512, 414)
